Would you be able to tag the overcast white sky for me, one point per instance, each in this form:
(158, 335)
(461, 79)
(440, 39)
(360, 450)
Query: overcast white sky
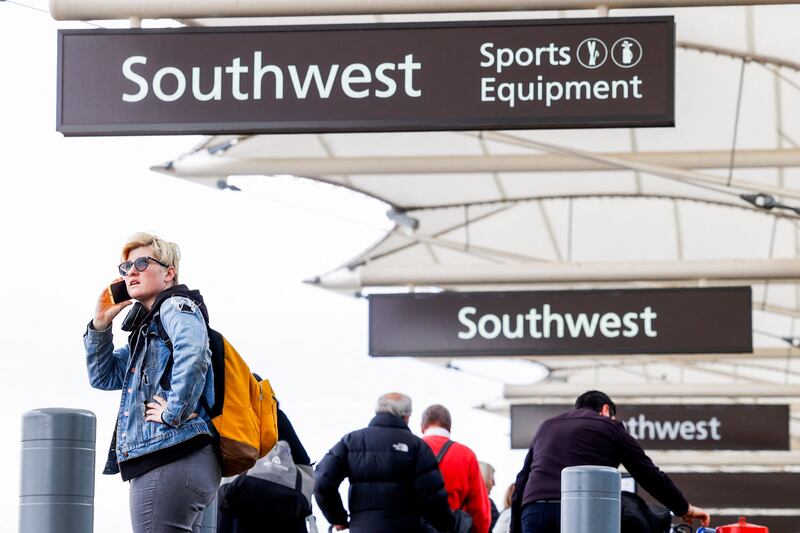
(67, 204)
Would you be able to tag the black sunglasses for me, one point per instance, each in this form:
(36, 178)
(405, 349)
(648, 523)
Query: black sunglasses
(140, 263)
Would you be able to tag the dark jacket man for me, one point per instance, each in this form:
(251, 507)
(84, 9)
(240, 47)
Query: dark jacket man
(394, 479)
(587, 435)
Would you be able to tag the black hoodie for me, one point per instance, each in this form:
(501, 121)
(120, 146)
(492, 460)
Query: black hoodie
(139, 316)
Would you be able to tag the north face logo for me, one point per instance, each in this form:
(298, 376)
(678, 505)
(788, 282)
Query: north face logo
(400, 447)
(276, 460)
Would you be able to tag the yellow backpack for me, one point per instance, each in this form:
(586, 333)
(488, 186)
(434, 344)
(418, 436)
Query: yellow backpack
(245, 411)
(247, 420)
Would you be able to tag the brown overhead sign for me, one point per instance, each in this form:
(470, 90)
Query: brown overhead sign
(678, 426)
(713, 320)
(564, 73)
(738, 490)
(767, 499)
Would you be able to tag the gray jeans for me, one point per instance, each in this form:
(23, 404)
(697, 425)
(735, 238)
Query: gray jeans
(171, 498)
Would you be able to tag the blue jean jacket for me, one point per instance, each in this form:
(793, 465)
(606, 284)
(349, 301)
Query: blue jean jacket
(137, 371)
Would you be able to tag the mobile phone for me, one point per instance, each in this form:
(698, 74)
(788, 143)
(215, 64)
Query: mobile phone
(119, 292)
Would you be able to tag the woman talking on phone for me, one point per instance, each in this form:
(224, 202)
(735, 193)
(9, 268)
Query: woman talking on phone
(162, 443)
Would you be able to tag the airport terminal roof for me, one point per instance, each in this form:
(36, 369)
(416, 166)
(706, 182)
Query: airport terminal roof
(714, 200)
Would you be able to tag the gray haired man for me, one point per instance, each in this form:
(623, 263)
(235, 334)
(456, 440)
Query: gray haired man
(394, 478)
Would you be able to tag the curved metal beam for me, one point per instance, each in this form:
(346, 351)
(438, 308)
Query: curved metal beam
(653, 390)
(504, 205)
(602, 195)
(366, 257)
(564, 362)
(717, 183)
(203, 164)
(739, 54)
(158, 9)
(376, 275)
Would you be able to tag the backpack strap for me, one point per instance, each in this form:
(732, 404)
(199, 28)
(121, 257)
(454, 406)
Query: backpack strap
(440, 456)
(443, 451)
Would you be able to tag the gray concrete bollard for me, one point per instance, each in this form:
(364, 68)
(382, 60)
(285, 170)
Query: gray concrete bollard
(590, 500)
(56, 488)
(209, 522)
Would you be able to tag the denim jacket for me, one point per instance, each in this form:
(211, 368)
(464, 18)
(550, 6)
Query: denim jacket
(137, 371)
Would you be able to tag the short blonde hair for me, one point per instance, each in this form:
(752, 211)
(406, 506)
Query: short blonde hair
(509, 499)
(167, 252)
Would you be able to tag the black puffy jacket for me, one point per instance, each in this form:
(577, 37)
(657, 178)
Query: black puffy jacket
(394, 481)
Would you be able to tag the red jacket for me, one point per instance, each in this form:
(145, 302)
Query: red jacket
(463, 482)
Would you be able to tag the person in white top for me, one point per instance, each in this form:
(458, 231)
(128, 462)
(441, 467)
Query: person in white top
(503, 524)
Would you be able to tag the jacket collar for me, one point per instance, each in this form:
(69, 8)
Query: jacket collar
(388, 420)
(588, 412)
(585, 412)
(436, 431)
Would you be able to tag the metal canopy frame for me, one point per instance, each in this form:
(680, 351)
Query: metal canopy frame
(771, 373)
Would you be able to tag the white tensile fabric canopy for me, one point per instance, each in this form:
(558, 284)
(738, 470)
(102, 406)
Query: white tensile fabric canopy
(658, 207)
